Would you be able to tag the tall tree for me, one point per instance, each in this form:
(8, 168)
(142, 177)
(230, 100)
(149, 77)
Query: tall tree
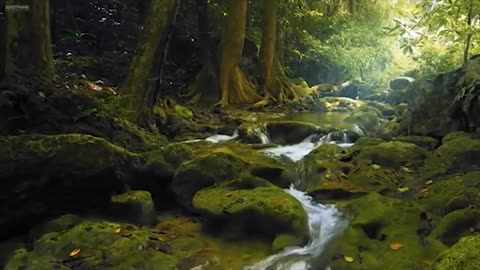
(234, 87)
(470, 31)
(29, 58)
(139, 88)
(276, 84)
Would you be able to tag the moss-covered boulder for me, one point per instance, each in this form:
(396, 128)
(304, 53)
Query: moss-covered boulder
(385, 233)
(425, 142)
(252, 133)
(323, 165)
(263, 209)
(453, 193)
(204, 171)
(135, 207)
(457, 154)
(290, 132)
(457, 224)
(367, 118)
(392, 154)
(462, 256)
(44, 176)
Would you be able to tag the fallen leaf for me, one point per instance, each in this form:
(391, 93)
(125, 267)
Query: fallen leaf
(424, 190)
(348, 259)
(408, 170)
(117, 230)
(74, 252)
(403, 189)
(396, 246)
(429, 182)
(375, 166)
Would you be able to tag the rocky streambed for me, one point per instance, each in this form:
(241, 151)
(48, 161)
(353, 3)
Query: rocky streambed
(306, 196)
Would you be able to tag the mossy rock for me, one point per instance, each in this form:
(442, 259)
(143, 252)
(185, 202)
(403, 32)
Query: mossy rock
(453, 193)
(391, 155)
(462, 256)
(252, 133)
(135, 207)
(267, 210)
(457, 154)
(184, 112)
(455, 136)
(102, 245)
(46, 176)
(204, 171)
(290, 132)
(377, 223)
(425, 142)
(368, 119)
(285, 240)
(322, 164)
(456, 224)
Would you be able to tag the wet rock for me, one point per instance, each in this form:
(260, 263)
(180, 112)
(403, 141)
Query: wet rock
(252, 133)
(267, 210)
(135, 207)
(368, 119)
(462, 256)
(45, 176)
(290, 132)
(376, 224)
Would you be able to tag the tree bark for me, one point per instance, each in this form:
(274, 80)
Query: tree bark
(29, 57)
(468, 41)
(234, 87)
(267, 49)
(136, 91)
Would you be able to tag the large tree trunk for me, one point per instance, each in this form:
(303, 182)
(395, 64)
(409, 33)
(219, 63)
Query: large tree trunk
(137, 90)
(234, 87)
(29, 60)
(267, 49)
(276, 85)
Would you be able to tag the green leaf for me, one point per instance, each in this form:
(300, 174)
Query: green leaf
(403, 189)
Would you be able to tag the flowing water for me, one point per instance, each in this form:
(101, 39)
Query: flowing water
(325, 221)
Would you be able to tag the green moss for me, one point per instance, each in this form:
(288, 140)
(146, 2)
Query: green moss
(135, 206)
(377, 222)
(462, 256)
(285, 240)
(427, 143)
(455, 225)
(202, 172)
(184, 112)
(269, 210)
(457, 154)
(453, 193)
(455, 136)
(391, 154)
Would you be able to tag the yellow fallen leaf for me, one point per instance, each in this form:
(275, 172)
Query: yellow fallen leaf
(396, 246)
(348, 259)
(407, 170)
(429, 182)
(117, 230)
(74, 252)
(403, 189)
(424, 190)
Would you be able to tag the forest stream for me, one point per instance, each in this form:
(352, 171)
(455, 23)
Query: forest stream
(240, 135)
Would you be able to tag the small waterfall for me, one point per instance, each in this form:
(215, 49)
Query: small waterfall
(222, 138)
(325, 222)
(264, 137)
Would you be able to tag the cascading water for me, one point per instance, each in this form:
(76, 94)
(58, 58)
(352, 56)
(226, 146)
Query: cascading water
(222, 138)
(325, 221)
